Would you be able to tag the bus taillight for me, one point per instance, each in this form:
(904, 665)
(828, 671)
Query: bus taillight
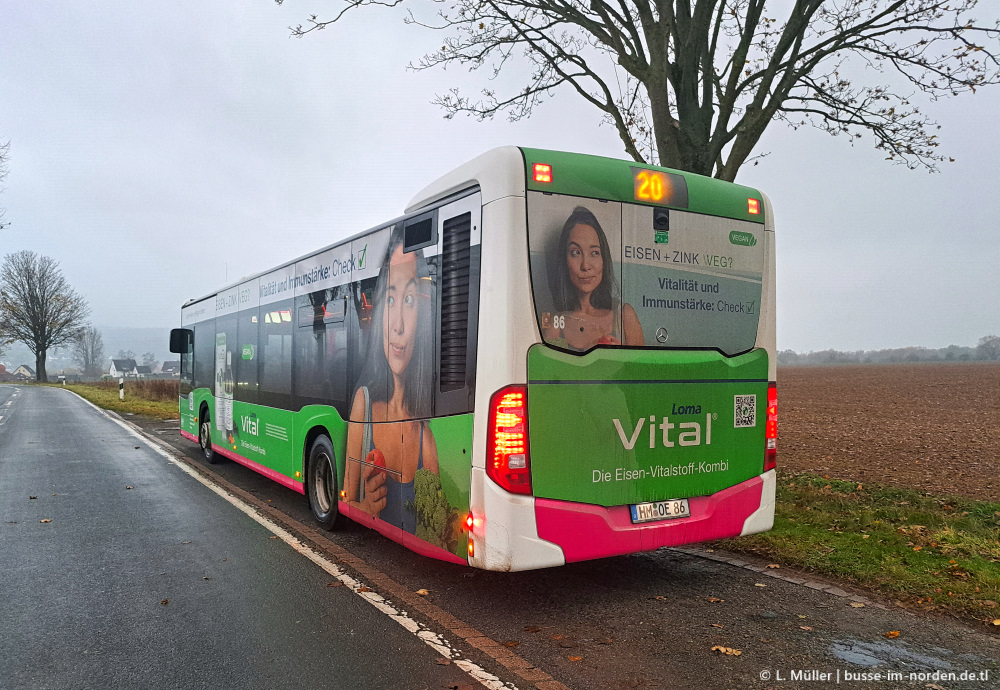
(771, 429)
(507, 461)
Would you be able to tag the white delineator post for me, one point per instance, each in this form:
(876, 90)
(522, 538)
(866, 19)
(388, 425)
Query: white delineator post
(121, 389)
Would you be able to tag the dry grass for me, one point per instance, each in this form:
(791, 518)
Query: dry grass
(156, 390)
(151, 398)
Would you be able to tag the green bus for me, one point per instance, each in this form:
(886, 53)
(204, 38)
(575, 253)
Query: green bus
(549, 357)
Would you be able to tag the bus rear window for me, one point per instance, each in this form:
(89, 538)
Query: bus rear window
(612, 274)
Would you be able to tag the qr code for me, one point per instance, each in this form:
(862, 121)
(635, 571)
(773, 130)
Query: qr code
(745, 411)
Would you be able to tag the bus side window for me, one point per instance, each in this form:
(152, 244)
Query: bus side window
(275, 325)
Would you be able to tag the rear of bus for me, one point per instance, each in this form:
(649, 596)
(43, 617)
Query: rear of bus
(649, 413)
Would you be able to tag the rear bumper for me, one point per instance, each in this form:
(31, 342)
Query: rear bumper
(585, 531)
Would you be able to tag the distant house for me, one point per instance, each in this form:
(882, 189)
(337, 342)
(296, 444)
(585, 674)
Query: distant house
(24, 372)
(171, 368)
(122, 367)
(142, 371)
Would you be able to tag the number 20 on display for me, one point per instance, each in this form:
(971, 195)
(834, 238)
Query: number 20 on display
(652, 186)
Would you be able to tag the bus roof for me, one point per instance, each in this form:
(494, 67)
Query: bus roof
(498, 173)
(507, 171)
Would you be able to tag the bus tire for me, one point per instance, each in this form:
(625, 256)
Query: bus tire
(205, 437)
(321, 482)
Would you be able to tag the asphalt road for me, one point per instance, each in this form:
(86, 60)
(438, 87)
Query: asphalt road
(647, 620)
(119, 570)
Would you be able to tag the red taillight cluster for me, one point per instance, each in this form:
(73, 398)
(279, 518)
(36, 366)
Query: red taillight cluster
(507, 460)
(542, 172)
(771, 430)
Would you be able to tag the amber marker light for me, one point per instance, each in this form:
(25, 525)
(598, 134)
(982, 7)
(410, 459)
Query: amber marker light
(753, 207)
(472, 548)
(542, 172)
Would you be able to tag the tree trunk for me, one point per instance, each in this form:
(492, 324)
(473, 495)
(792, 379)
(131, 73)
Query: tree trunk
(40, 375)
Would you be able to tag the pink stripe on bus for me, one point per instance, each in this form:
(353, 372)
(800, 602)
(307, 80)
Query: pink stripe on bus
(300, 487)
(189, 436)
(587, 531)
(410, 541)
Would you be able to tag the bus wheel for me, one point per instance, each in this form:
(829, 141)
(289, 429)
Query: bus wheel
(205, 439)
(321, 482)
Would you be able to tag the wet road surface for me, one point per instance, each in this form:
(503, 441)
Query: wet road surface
(121, 571)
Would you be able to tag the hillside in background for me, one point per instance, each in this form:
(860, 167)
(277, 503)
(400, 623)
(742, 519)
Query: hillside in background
(139, 340)
(988, 349)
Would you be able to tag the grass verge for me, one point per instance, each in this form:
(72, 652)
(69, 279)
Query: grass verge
(139, 399)
(927, 552)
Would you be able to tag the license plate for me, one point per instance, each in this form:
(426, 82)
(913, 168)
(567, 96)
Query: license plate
(660, 510)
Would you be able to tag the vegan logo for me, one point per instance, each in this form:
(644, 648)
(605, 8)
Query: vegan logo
(747, 239)
(248, 352)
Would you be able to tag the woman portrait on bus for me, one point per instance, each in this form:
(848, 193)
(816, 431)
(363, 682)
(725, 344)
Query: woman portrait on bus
(394, 391)
(584, 289)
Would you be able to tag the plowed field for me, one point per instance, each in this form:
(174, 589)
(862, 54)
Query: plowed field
(927, 426)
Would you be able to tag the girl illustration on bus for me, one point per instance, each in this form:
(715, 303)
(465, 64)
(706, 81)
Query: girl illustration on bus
(584, 290)
(388, 439)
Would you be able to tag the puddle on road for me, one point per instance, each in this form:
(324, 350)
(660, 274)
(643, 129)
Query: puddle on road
(898, 654)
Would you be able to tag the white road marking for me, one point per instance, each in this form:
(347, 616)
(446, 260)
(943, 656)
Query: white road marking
(429, 637)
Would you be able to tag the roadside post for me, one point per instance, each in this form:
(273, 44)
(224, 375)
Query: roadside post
(121, 389)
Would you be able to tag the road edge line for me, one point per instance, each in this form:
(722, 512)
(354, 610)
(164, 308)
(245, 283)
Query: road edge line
(256, 510)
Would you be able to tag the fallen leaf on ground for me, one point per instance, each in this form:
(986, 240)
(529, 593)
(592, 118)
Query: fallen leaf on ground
(574, 658)
(773, 565)
(892, 634)
(715, 600)
(758, 584)
(857, 605)
(511, 643)
(32, 497)
(996, 621)
(185, 542)
(362, 588)
(805, 627)
(423, 592)
(165, 602)
(45, 520)
(728, 651)
(335, 583)
(716, 625)
(443, 662)
(128, 487)
(659, 598)
(531, 628)
(557, 637)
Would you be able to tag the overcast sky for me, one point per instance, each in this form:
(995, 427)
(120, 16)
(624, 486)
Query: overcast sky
(161, 150)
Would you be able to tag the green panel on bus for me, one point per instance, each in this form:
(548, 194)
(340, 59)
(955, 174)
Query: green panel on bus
(597, 177)
(617, 427)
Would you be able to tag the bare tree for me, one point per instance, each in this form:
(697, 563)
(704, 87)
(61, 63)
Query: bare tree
(694, 85)
(37, 305)
(149, 360)
(125, 354)
(88, 351)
